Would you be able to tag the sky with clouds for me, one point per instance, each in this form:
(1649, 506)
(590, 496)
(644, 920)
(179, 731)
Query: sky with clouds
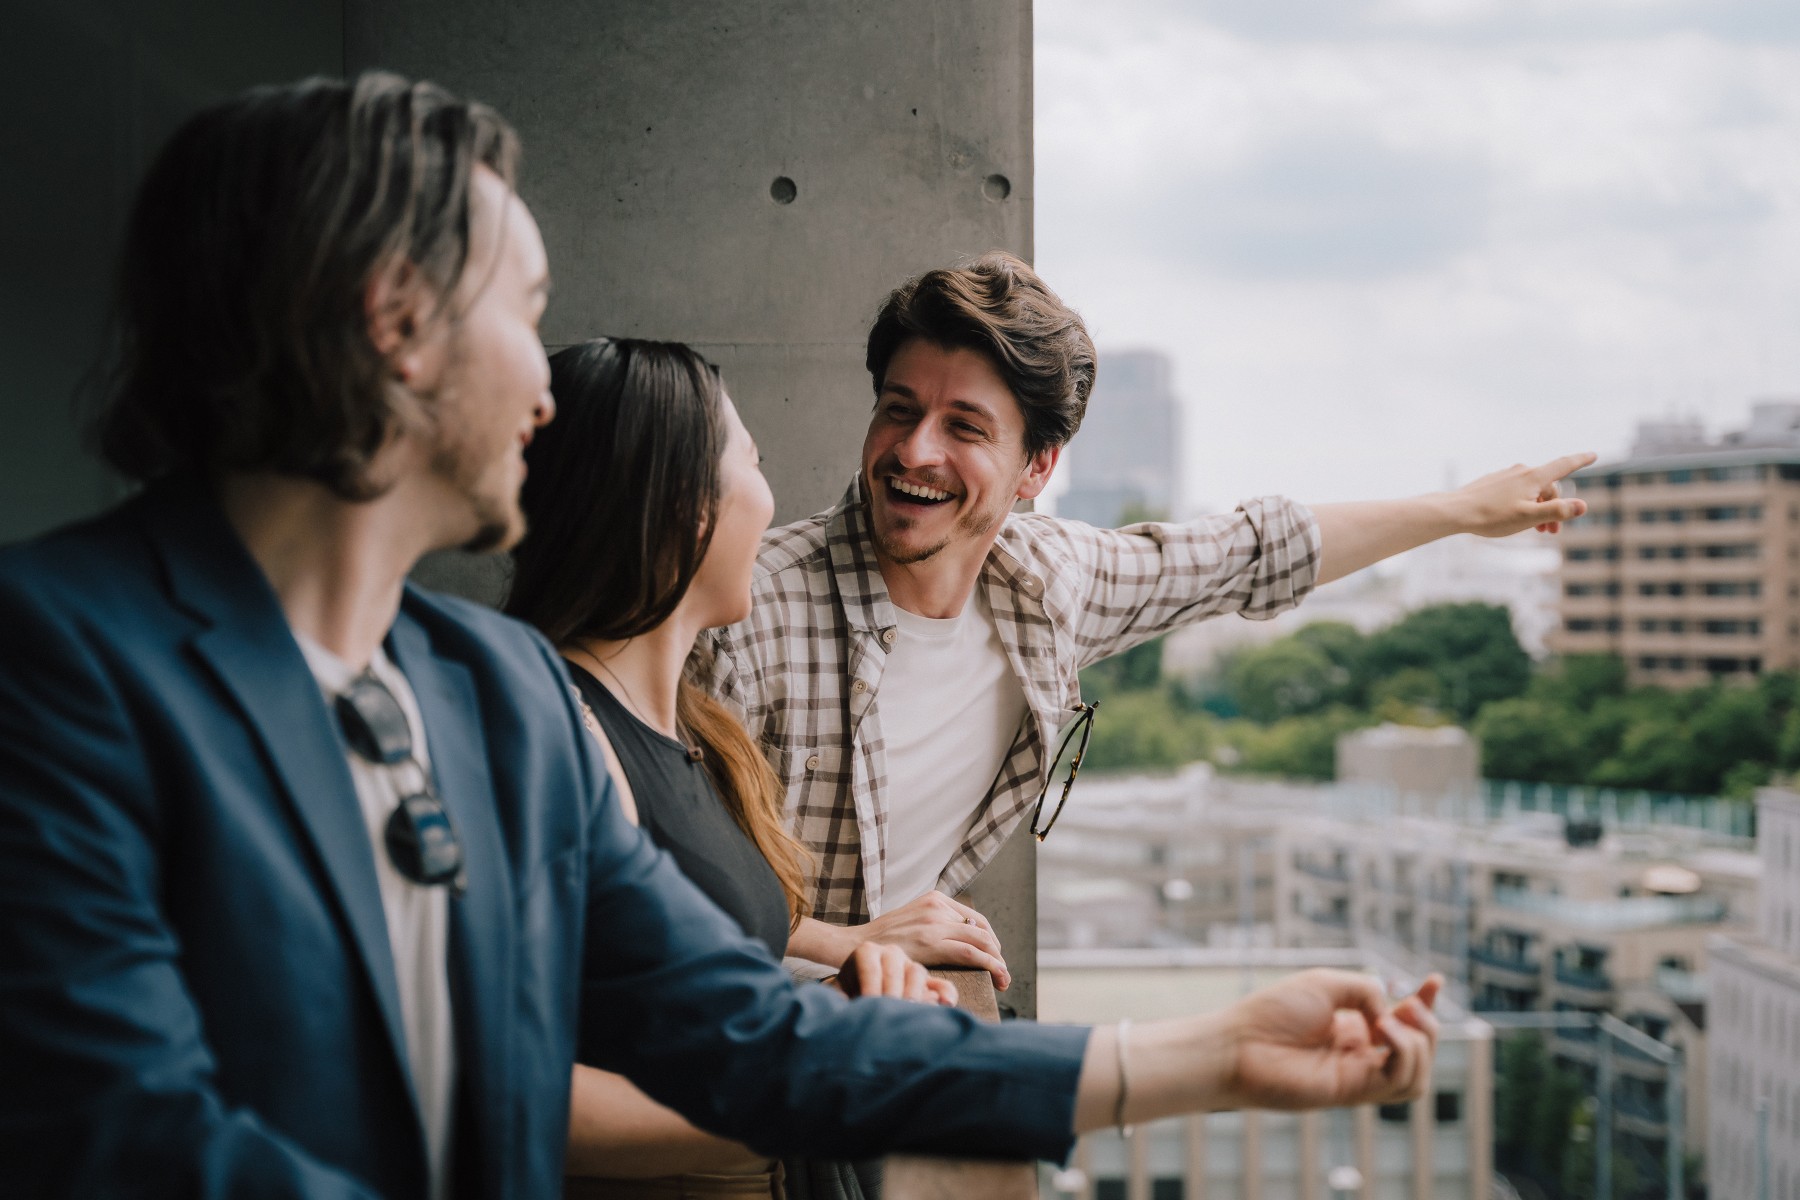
(1393, 242)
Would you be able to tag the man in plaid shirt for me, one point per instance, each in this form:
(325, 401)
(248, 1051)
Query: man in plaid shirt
(912, 654)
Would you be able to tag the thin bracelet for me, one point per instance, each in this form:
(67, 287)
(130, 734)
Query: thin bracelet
(1121, 1039)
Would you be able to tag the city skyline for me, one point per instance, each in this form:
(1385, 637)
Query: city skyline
(1389, 243)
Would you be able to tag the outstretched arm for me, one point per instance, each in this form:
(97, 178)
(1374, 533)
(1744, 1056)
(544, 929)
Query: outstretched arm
(1354, 536)
(1319, 1039)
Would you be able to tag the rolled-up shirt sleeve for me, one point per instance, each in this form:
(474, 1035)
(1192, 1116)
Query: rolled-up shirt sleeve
(1143, 580)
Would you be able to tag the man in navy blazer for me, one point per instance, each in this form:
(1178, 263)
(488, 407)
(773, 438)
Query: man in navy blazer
(222, 970)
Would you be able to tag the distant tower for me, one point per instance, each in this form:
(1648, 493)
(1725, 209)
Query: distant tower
(1127, 456)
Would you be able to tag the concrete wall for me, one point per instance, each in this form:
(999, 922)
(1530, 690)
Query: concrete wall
(658, 142)
(661, 144)
(90, 89)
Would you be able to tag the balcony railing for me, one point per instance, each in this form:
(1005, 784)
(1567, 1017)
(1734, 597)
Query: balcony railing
(1637, 912)
(1326, 871)
(917, 1177)
(1683, 987)
(1585, 978)
(1518, 964)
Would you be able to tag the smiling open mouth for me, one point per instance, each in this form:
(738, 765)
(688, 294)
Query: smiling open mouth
(907, 492)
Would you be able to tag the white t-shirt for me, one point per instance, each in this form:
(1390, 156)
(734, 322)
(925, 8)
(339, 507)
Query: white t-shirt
(418, 917)
(950, 708)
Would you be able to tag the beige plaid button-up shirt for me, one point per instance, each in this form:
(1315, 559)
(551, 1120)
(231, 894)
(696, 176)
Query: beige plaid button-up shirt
(804, 670)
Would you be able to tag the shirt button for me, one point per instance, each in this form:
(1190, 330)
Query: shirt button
(859, 686)
(887, 637)
(812, 762)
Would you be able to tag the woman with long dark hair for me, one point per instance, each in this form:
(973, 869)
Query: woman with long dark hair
(646, 506)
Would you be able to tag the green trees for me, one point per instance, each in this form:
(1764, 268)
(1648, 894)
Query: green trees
(1278, 708)
(1469, 649)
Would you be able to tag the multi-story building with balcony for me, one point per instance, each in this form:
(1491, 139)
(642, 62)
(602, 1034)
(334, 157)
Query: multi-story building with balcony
(1754, 1077)
(1688, 562)
(1527, 911)
(1157, 861)
(1537, 914)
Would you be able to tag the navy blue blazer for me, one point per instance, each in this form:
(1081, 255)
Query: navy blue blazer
(197, 995)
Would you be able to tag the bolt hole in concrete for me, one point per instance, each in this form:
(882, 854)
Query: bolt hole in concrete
(996, 187)
(783, 191)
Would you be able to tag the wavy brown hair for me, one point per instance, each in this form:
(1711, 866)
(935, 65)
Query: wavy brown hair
(620, 499)
(241, 337)
(998, 306)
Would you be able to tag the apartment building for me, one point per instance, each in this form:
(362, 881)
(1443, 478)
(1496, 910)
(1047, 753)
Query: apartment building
(1538, 914)
(1688, 562)
(1439, 1148)
(1753, 1145)
(1526, 911)
(1144, 861)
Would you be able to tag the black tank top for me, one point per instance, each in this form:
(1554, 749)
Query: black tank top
(682, 812)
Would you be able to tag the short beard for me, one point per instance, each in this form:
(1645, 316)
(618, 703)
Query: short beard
(971, 525)
(906, 556)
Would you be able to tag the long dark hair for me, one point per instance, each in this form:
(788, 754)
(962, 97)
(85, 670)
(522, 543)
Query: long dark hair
(242, 339)
(620, 499)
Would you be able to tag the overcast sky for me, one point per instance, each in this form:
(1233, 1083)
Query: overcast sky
(1390, 241)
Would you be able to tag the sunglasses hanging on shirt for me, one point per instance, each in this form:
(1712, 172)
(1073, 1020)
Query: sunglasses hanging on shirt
(421, 841)
(1064, 767)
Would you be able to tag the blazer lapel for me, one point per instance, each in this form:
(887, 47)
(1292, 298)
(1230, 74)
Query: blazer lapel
(481, 952)
(250, 649)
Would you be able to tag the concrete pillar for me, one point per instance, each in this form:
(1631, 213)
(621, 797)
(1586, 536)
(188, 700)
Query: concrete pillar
(1137, 1163)
(1308, 1179)
(750, 176)
(1424, 1131)
(1195, 1175)
(1252, 1154)
(1479, 1091)
(1365, 1150)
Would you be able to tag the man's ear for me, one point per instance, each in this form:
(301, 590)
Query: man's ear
(1037, 472)
(394, 308)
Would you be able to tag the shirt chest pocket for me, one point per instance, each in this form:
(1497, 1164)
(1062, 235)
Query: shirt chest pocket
(811, 774)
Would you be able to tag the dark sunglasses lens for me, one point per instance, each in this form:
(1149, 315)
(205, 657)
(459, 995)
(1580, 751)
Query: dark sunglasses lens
(374, 723)
(421, 841)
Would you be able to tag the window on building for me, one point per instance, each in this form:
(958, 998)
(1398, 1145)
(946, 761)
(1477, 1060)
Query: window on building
(1449, 1108)
(1731, 550)
(1398, 1114)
